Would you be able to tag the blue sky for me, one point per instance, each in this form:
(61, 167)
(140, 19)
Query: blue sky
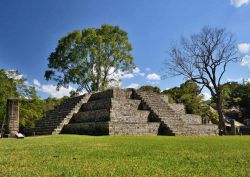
(30, 30)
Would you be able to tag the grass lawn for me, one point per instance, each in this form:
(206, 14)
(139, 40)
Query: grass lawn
(73, 155)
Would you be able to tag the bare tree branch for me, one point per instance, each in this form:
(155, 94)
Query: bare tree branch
(204, 59)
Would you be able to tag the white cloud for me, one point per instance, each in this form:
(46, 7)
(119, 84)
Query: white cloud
(246, 80)
(239, 80)
(153, 76)
(119, 74)
(36, 83)
(245, 61)
(133, 85)
(150, 82)
(136, 70)
(206, 96)
(126, 75)
(148, 69)
(142, 74)
(13, 74)
(51, 90)
(244, 47)
(239, 3)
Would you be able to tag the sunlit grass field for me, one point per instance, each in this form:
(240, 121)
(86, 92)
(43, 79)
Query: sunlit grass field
(73, 155)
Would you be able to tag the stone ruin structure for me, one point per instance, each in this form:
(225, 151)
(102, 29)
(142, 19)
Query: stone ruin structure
(121, 112)
(10, 126)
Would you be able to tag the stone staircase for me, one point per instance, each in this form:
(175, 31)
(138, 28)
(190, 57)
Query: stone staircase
(54, 120)
(173, 122)
(112, 112)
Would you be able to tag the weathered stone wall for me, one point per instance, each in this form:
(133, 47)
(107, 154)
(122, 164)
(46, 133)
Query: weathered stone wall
(101, 115)
(118, 128)
(111, 103)
(112, 93)
(89, 128)
(191, 119)
(12, 116)
(124, 115)
(178, 108)
(165, 98)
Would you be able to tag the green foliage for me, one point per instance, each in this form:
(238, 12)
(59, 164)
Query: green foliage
(232, 94)
(73, 155)
(236, 95)
(208, 113)
(34, 109)
(30, 110)
(189, 95)
(174, 94)
(31, 106)
(150, 88)
(89, 57)
(7, 89)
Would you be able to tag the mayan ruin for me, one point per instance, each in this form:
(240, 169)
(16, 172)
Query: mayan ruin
(121, 112)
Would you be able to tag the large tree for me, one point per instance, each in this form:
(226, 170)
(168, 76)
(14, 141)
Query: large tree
(204, 59)
(89, 58)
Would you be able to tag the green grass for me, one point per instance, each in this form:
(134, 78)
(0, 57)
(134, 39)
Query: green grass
(73, 155)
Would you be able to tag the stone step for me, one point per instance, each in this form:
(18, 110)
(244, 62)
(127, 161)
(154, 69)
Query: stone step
(52, 121)
(92, 116)
(49, 124)
(88, 128)
(173, 123)
(111, 103)
(207, 129)
(56, 119)
(112, 93)
(62, 111)
(191, 119)
(112, 128)
(137, 129)
(56, 116)
(123, 115)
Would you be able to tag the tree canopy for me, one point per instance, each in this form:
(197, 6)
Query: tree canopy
(90, 57)
(150, 88)
(237, 96)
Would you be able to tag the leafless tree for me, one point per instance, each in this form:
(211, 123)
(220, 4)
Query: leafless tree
(204, 59)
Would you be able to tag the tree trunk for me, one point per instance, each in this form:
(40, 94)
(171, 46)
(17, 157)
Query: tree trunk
(222, 127)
